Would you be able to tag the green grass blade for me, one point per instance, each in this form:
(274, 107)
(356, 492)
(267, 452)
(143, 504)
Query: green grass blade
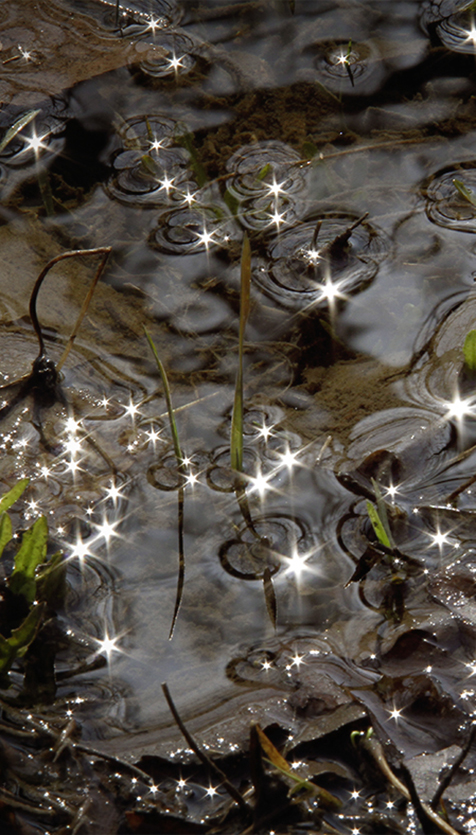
(20, 123)
(168, 398)
(236, 441)
(465, 192)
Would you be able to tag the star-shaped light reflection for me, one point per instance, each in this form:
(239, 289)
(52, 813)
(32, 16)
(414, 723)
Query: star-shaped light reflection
(107, 646)
(297, 563)
(175, 63)
(211, 792)
(106, 530)
(276, 188)
(395, 714)
(205, 238)
(114, 493)
(34, 143)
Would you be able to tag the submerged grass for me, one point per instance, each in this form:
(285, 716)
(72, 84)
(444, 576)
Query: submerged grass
(180, 465)
(236, 444)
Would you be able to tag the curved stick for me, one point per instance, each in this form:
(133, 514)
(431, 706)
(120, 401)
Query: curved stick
(103, 250)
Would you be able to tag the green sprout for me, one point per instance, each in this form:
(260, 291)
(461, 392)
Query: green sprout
(465, 192)
(34, 578)
(379, 519)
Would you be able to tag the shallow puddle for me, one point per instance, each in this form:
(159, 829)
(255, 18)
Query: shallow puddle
(340, 138)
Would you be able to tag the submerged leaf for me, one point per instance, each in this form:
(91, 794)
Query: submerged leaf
(14, 494)
(367, 561)
(31, 554)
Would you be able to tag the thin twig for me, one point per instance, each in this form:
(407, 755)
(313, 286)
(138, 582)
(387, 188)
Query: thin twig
(444, 783)
(39, 281)
(375, 749)
(234, 793)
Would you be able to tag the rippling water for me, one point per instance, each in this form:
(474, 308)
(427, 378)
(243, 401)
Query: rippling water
(340, 138)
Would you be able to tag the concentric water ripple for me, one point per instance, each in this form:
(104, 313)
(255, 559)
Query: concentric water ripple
(275, 537)
(188, 230)
(453, 23)
(42, 137)
(266, 187)
(135, 16)
(169, 55)
(321, 259)
(150, 166)
(445, 205)
(350, 68)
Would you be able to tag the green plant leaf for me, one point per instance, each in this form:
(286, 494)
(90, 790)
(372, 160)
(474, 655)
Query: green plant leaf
(50, 579)
(377, 525)
(465, 192)
(17, 644)
(5, 531)
(265, 170)
(17, 126)
(14, 494)
(469, 350)
(31, 554)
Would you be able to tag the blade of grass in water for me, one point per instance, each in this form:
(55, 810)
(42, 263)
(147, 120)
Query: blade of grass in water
(236, 444)
(17, 126)
(168, 399)
(179, 457)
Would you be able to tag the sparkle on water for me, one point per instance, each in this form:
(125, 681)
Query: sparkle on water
(34, 143)
(471, 33)
(395, 714)
(439, 538)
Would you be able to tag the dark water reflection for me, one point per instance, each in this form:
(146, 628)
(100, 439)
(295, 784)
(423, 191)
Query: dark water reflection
(333, 137)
